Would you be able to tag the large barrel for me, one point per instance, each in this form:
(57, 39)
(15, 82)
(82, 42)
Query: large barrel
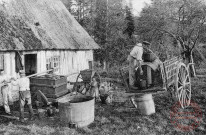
(79, 110)
(145, 104)
(148, 57)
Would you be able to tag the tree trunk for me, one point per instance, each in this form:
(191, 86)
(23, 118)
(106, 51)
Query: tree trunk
(189, 59)
(192, 67)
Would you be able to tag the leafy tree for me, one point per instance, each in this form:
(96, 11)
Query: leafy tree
(130, 23)
(105, 21)
(110, 24)
(179, 22)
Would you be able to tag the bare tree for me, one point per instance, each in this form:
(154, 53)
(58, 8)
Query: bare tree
(182, 20)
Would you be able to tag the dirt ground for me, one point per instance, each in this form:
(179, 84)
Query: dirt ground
(118, 118)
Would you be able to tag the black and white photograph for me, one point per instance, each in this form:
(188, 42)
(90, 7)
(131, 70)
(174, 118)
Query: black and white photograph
(102, 67)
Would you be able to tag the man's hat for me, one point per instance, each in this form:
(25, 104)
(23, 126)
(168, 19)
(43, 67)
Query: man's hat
(146, 43)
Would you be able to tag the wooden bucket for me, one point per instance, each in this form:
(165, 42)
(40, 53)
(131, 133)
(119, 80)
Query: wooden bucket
(77, 110)
(145, 104)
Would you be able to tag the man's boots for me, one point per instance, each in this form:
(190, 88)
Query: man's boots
(21, 118)
(31, 112)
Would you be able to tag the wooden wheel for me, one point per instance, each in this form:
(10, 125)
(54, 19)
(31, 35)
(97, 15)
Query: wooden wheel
(82, 86)
(183, 85)
(79, 85)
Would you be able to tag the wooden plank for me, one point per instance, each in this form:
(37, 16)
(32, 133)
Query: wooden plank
(79, 83)
(157, 88)
(10, 117)
(163, 73)
(44, 85)
(7, 63)
(170, 70)
(39, 73)
(13, 65)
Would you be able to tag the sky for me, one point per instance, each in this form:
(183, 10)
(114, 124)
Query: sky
(138, 5)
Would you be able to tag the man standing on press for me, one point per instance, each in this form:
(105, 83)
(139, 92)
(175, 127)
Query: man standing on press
(135, 60)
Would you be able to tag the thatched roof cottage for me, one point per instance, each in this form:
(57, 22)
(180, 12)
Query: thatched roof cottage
(45, 35)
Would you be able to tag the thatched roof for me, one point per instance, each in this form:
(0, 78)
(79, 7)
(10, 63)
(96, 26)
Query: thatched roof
(40, 24)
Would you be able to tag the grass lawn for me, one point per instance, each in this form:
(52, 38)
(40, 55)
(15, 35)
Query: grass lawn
(117, 118)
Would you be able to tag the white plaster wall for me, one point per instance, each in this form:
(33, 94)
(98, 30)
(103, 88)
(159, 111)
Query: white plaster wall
(70, 62)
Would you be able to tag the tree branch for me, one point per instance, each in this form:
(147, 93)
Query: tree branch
(198, 34)
(177, 38)
(179, 17)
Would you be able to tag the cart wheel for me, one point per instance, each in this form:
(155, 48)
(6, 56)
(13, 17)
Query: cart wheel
(183, 85)
(77, 87)
(85, 86)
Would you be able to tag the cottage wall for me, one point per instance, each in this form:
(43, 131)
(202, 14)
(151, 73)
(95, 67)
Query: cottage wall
(70, 62)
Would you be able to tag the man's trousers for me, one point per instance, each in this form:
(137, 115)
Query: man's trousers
(7, 98)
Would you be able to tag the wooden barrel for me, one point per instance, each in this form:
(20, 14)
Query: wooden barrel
(149, 57)
(77, 110)
(145, 104)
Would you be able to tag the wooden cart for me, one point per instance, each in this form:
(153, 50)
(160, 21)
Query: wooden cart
(175, 78)
(84, 79)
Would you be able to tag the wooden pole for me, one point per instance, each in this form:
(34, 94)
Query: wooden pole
(39, 73)
(48, 71)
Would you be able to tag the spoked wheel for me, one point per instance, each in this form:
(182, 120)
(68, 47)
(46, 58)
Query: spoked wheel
(79, 85)
(83, 85)
(183, 86)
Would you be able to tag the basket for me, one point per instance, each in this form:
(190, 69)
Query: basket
(86, 74)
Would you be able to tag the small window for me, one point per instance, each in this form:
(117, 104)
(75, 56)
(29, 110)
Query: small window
(56, 63)
(53, 62)
(1, 62)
